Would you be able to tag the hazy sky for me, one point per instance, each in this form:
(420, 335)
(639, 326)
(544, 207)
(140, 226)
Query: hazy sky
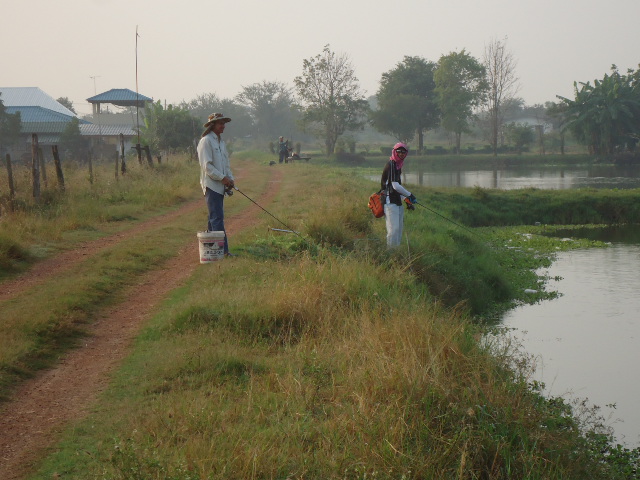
(187, 48)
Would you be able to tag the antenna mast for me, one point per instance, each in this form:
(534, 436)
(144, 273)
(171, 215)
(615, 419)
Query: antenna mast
(137, 94)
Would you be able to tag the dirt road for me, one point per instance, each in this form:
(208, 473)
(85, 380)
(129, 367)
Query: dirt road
(43, 406)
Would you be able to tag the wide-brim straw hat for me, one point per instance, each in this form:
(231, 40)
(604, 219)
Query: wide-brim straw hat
(216, 117)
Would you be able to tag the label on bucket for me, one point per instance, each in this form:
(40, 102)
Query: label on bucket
(211, 246)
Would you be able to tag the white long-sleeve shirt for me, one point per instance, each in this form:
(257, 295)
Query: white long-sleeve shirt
(400, 189)
(214, 163)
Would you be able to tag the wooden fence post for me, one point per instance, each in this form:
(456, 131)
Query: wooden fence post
(43, 169)
(35, 170)
(12, 191)
(147, 151)
(139, 151)
(56, 161)
(117, 159)
(91, 167)
(123, 164)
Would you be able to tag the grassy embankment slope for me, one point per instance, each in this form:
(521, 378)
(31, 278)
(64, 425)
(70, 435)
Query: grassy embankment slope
(334, 359)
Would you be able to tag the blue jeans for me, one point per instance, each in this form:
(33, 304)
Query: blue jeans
(215, 204)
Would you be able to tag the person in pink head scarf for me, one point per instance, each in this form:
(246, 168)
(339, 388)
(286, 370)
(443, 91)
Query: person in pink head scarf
(395, 193)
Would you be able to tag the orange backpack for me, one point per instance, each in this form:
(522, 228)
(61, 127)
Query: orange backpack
(376, 204)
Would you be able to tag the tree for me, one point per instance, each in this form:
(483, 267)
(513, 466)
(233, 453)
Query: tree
(204, 105)
(331, 96)
(407, 101)
(168, 128)
(10, 126)
(65, 102)
(271, 107)
(461, 86)
(605, 116)
(557, 113)
(502, 83)
(520, 135)
(72, 141)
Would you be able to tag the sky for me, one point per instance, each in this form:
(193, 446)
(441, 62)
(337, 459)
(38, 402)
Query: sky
(186, 48)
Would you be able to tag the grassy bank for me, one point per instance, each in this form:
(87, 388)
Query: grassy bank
(330, 357)
(484, 207)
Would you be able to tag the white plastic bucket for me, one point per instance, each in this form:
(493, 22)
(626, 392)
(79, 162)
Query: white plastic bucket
(211, 246)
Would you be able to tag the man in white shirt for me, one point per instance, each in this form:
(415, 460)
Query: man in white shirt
(216, 177)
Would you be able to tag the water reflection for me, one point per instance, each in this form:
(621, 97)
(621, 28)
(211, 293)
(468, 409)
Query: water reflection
(587, 340)
(508, 178)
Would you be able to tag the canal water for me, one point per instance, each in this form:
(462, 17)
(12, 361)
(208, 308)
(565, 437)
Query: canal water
(587, 341)
(556, 178)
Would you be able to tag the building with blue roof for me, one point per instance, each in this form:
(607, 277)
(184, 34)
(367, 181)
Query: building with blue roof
(46, 117)
(39, 114)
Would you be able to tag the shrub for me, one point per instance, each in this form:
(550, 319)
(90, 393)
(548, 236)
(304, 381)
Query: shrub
(349, 158)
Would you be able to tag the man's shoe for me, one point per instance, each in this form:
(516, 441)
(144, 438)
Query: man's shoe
(230, 254)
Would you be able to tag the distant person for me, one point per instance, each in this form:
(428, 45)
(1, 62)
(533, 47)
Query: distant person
(216, 177)
(391, 183)
(283, 149)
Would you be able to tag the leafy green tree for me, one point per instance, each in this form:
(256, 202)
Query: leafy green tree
(557, 114)
(10, 126)
(271, 107)
(204, 105)
(168, 128)
(520, 135)
(605, 116)
(461, 85)
(66, 102)
(500, 66)
(407, 103)
(71, 140)
(331, 96)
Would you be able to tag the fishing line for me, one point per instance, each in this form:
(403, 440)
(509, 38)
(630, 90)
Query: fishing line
(449, 220)
(256, 203)
(481, 237)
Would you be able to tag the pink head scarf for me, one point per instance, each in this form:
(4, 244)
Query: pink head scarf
(394, 155)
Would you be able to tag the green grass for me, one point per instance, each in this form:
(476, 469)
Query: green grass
(322, 371)
(331, 357)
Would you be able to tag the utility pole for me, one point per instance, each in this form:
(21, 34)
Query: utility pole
(96, 111)
(95, 92)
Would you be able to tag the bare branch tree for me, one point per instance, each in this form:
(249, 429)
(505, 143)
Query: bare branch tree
(500, 65)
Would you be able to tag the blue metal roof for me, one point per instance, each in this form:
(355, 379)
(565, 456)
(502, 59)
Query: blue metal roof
(42, 120)
(93, 129)
(122, 97)
(31, 97)
(40, 114)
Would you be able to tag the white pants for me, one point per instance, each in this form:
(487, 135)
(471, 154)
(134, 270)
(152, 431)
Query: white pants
(394, 215)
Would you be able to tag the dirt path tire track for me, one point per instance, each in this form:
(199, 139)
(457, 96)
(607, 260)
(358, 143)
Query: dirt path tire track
(42, 407)
(64, 261)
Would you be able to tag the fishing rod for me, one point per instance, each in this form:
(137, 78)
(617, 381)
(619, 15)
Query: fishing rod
(449, 220)
(289, 229)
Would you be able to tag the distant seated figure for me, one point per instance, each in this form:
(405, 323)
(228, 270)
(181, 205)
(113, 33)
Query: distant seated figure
(283, 149)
